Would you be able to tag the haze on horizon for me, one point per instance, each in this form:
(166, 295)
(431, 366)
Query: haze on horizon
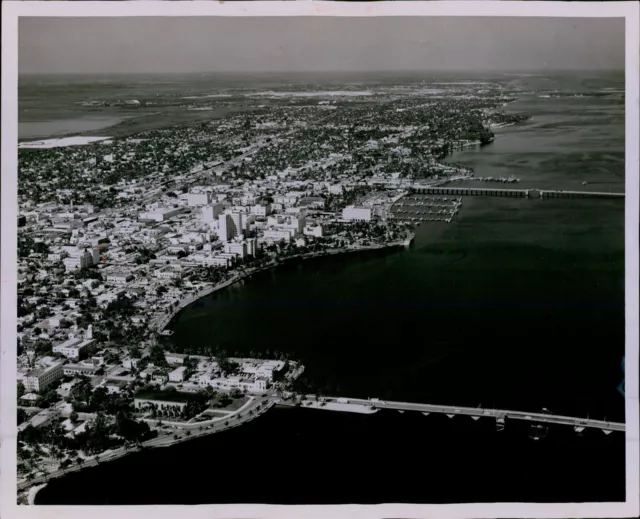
(166, 45)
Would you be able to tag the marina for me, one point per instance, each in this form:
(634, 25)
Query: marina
(418, 209)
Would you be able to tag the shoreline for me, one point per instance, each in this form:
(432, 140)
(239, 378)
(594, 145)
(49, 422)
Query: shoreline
(120, 452)
(32, 492)
(161, 324)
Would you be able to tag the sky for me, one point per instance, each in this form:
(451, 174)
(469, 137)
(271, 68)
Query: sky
(305, 44)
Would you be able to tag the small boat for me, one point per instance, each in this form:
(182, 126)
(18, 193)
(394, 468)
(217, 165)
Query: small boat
(538, 432)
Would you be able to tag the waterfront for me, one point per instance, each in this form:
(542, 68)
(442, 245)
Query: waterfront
(521, 301)
(355, 458)
(537, 285)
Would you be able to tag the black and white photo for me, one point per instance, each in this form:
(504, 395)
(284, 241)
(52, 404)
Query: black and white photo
(320, 256)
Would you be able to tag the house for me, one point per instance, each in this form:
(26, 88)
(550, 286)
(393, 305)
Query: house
(175, 358)
(115, 386)
(130, 362)
(159, 377)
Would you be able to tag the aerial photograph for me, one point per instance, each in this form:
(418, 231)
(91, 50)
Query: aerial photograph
(311, 261)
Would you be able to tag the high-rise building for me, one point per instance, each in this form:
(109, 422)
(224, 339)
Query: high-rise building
(225, 227)
(252, 247)
(239, 222)
(95, 255)
(211, 212)
(298, 223)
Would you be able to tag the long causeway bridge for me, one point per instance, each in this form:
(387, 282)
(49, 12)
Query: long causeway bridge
(523, 193)
(579, 424)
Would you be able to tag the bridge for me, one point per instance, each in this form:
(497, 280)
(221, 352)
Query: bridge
(579, 424)
(521, 193)
(577, 194)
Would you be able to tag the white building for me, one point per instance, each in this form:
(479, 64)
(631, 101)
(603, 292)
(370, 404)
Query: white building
(119, 277)
(160, 214)
(357, 214)
(73, 348)
(80, 369)
(239, 223)
(297, 223)
(177, 375)
(175, 358)
(231, 225)
(210, 213)
(225, 228)
(278, 234)
(40, 378)
(251, 384)
(314, 230)
(261, 210)
(216, 261)
(169, 272)
(81, 258)
(238, 248)
(270, 370)
(197, 199)
(252, 247)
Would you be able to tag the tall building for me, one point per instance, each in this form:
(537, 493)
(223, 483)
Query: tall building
(225, 227)
(95, 255)
(298, 223)
(211, 212)
(239, 222)
(81, 258)
(252, 247)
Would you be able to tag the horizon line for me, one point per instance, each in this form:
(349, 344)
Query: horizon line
(387, 71)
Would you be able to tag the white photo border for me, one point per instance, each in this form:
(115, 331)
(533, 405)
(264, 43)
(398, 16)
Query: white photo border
(11, 11)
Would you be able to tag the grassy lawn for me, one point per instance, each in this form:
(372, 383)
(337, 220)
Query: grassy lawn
(232, 405)
(237, 403)
(216, 413)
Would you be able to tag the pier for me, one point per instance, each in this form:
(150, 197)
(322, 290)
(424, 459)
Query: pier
(469, 191)
(521, 193)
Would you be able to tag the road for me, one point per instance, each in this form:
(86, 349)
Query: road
(166, 438)
(178, 432)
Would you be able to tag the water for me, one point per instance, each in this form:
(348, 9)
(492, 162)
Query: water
(517, 304)
(292, 456)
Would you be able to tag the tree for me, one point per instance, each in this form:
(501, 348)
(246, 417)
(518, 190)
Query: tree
(156, 355)
(21, 389)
